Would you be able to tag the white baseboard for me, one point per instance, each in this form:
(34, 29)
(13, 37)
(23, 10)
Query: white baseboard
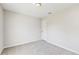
(63, 47)
(19, 43)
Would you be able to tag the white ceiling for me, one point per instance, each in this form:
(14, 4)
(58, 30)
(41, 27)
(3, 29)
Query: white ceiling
(32, 10)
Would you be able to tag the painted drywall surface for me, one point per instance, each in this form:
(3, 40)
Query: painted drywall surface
(44, 29)
(1, 29)
(20, 29)
(63, 29)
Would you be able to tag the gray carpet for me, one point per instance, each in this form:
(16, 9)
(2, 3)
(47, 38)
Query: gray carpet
(40, 47)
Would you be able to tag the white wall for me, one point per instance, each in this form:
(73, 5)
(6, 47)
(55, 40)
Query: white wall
(20, 29)
(44, 29)
(63, 29)
(1, 29)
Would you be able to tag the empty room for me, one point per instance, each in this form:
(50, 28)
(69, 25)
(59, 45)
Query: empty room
(39, 28)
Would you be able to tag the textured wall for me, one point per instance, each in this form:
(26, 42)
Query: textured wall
(63, 28)
(20, 29)
(1, 29)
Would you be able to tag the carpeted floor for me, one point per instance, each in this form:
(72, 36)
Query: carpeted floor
(40, 47)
